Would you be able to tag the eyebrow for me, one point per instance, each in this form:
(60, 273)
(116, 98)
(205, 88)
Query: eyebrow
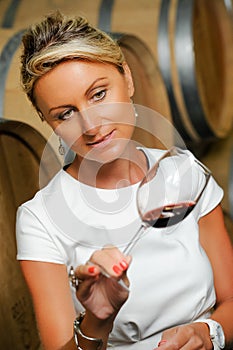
(58, 107)
(86, 93)
(94, 82)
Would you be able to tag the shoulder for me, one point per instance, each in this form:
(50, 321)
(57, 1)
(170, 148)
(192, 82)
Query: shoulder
(52, 187)
(152, 154)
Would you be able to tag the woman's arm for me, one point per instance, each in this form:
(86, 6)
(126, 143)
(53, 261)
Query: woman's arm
(55, 314)
(216, 242)
(101, 296)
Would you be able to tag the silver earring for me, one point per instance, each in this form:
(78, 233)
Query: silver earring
(61, 148)
(135, 110)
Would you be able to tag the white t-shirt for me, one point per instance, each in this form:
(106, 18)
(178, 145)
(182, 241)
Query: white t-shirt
(171, 280)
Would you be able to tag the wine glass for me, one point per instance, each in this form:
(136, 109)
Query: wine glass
(169, 191)
(167, 194)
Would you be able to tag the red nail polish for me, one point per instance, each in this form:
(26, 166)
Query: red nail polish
(124, 265)
(91, 269)
(162, 342)
(116, 269)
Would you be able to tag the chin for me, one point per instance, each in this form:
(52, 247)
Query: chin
(108, 154)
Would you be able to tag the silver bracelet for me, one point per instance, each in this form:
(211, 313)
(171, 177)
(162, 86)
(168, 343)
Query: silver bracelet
(77, 331)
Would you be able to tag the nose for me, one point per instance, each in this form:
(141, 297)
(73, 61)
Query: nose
(91, 122)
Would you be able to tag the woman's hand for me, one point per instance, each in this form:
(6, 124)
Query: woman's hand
(100, 291)
(193, 336)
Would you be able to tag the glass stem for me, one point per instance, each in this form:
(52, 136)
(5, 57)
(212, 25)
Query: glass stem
(134, 239)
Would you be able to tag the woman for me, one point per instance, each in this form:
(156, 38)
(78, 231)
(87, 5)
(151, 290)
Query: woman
(176, 291)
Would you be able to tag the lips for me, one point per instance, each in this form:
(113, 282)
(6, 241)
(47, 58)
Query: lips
(101, 140)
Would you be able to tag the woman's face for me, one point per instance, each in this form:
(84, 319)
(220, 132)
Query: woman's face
(88, 105)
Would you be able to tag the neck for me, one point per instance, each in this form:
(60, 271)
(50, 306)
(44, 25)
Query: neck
(122, 172)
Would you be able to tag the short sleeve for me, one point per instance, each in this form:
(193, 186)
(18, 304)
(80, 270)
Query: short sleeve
(33, 240)
(210, 198)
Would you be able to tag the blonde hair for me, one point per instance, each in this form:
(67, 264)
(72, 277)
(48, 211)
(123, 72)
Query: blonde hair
(59, 38)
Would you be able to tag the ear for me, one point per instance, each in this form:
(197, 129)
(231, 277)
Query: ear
(129, 79)
(40, 115)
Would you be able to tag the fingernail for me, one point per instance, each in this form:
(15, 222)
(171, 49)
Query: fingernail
(124, 265)
(91, 269)
(116, 269)
(162, 342)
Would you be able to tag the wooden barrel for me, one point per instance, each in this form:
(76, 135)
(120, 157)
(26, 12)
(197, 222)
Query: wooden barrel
(219, 159)
(195, 55)
(150, 91)
(229, 5)
(13, 101)
(138, 18)
(21, 149)
(21, 13)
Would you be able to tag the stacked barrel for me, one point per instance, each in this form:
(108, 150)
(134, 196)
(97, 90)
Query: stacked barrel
(181, 56)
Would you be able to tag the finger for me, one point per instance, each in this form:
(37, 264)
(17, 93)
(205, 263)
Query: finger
(169, 333)
(122, 280)
(111, 260)
(84, 289)
(162, 342)
(85, 277)
(83, 272)
(177, 337)
(167, 338)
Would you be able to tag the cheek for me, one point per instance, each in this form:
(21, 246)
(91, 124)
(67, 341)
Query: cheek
(70, 131)
(77, 145)
(74, 142)
(122, 113)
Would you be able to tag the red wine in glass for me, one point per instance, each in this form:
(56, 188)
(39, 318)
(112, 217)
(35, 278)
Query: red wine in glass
(168, 215)
(180, 165)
